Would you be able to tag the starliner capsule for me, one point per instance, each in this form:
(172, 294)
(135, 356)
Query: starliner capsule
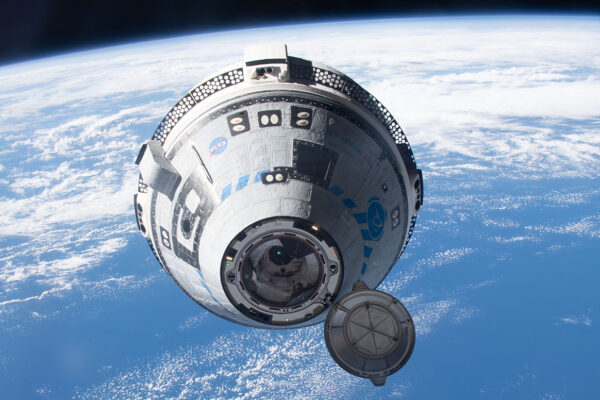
(278, 193)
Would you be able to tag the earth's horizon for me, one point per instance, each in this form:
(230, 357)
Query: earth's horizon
(501, 274)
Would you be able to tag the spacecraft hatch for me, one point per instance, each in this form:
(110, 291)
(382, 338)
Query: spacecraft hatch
(278, 193)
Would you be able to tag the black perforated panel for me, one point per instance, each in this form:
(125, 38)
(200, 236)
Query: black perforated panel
(195, 96)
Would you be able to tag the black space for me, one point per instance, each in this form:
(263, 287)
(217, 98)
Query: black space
(34, 28)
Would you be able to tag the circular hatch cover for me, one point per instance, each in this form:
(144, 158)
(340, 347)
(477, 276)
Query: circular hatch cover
(369, 333)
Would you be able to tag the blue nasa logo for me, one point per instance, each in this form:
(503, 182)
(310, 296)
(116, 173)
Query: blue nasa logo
(217, 146)
(375, 219)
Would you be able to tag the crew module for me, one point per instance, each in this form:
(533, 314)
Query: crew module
(278, 193)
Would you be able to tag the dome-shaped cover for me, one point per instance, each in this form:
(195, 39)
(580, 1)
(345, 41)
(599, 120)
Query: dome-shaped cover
(369, 333)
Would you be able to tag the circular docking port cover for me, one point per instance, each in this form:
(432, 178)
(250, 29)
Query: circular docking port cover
(369, 333)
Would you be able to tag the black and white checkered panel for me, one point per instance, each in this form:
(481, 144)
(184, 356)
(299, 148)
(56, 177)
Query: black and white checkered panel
(217, 83)
(331, 79)
(350, 88)
(142, 187)
(195, 96)
(300, 70)
(411, 228)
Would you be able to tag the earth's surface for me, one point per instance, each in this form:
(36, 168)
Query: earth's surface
(501, 275)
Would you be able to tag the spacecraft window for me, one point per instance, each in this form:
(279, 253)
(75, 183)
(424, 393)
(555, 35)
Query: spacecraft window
(282, 271)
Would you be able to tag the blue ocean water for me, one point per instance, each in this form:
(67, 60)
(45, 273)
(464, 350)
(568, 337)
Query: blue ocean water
(500, 275)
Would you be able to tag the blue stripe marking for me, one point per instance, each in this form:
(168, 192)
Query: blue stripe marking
(336, 190)
(258, 174)
(242, 182)
(226, 192)
(364, 268)
(208, 290)
(368, 250)
(349, 203)
(361, 218)
(365, 234)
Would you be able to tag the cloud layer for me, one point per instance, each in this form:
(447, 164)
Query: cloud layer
(503, 117)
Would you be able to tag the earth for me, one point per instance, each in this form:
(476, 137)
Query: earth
(501, 274)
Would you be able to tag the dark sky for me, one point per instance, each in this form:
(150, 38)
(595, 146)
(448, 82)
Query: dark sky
(34, 28)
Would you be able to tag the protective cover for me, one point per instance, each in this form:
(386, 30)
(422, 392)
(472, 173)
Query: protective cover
(369, 333)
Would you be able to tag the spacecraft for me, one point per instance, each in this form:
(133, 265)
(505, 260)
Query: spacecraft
(278, 193)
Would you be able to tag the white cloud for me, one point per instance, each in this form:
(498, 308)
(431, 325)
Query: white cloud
(194, 321)
(585, 227)
(501, 223)
(515, 239)
(64, 215)
(499, 102)
(401, 278)
(428, 312)
(56, 291)
(426, 315)
(111, 286)
(473, 100)
(575, 320)
(69, 173)
(258, 364)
